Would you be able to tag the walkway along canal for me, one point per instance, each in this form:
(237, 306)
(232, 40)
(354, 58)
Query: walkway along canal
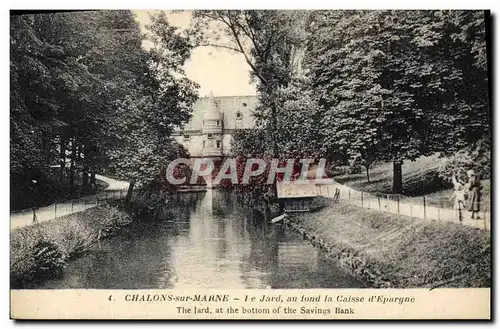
(115, 189)
(204, 240)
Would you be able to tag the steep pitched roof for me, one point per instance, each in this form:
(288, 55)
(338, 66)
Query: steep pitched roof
(212, 112)
(236, 112)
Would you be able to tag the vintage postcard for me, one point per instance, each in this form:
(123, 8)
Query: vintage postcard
(250, 164)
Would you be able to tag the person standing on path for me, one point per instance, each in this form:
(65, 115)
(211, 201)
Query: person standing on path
(458, 195)
(474, 188)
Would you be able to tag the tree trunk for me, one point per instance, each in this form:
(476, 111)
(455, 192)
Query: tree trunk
(397, 183)
(85, 178)
(367, 174)
(78, 153)
(92, 179)
(45, 149)
(72, 166)
(128, 198)
(274, 115)
(62, 159)
(85, 173)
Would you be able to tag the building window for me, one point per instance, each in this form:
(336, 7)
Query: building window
(218, 144)
(210, 136)
(239, 115)
(218, 122)
(203, 144)
(186, 137)
(244, 104)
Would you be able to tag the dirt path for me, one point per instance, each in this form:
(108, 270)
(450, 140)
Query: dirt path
(411, 207)
(115, 189)
(113, 184)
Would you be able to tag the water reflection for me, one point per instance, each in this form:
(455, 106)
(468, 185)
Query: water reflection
(204, 240)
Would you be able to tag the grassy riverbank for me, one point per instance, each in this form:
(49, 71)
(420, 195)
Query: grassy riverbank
(419, 177)
(42, 250)
(399, 253)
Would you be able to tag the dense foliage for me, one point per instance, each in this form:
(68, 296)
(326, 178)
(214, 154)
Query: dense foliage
(86, 97)
(366, 85)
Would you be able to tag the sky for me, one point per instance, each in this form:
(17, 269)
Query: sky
(223, 72)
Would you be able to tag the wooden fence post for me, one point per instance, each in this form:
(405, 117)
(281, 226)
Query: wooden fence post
(425, 214)
(336, 197)
(361, 198)
(411, 208)
(35, 220)
(55, 210)
(379, 207)
(484, 218)
(398, 203)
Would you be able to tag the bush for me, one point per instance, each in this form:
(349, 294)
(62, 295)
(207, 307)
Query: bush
(476, 157)
(42, 250)
(150, 201)
(349, 170)
(49, 258)
(34, 255)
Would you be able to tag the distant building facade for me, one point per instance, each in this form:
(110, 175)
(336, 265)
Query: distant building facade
(214, 121)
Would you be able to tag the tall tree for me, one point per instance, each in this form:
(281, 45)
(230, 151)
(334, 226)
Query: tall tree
(145, 119)
(390, 90)
(71, 75)
(34, 107)
(271, 43)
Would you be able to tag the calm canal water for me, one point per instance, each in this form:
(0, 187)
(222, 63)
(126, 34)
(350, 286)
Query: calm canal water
(203, 240)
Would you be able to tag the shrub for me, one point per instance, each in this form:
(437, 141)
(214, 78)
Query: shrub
(49, 259)
(476, 157)
(41, 250)
(349, 170)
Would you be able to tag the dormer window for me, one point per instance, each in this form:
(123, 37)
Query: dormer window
(239, 115)
(210, 136)
(186, 137)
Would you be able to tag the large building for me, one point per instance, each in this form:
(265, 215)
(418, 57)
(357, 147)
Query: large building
(215, 119)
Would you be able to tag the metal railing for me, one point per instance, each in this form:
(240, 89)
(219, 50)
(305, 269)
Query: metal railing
(63, 208)
(421, 207)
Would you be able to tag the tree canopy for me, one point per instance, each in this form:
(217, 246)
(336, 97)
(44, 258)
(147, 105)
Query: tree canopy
(85, 91)
(373, 85)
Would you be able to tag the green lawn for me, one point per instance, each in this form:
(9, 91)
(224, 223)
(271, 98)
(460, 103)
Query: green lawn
(419, 178)
(391, 251)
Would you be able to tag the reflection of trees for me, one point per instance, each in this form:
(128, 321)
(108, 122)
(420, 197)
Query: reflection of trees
(223, 203)
(221, 241)
(224, 207)
(264, 241)
(179, 208)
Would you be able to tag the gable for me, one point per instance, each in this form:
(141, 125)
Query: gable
(229, 106)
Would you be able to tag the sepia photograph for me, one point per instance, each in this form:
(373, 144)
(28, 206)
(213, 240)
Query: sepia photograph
(260, 150)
